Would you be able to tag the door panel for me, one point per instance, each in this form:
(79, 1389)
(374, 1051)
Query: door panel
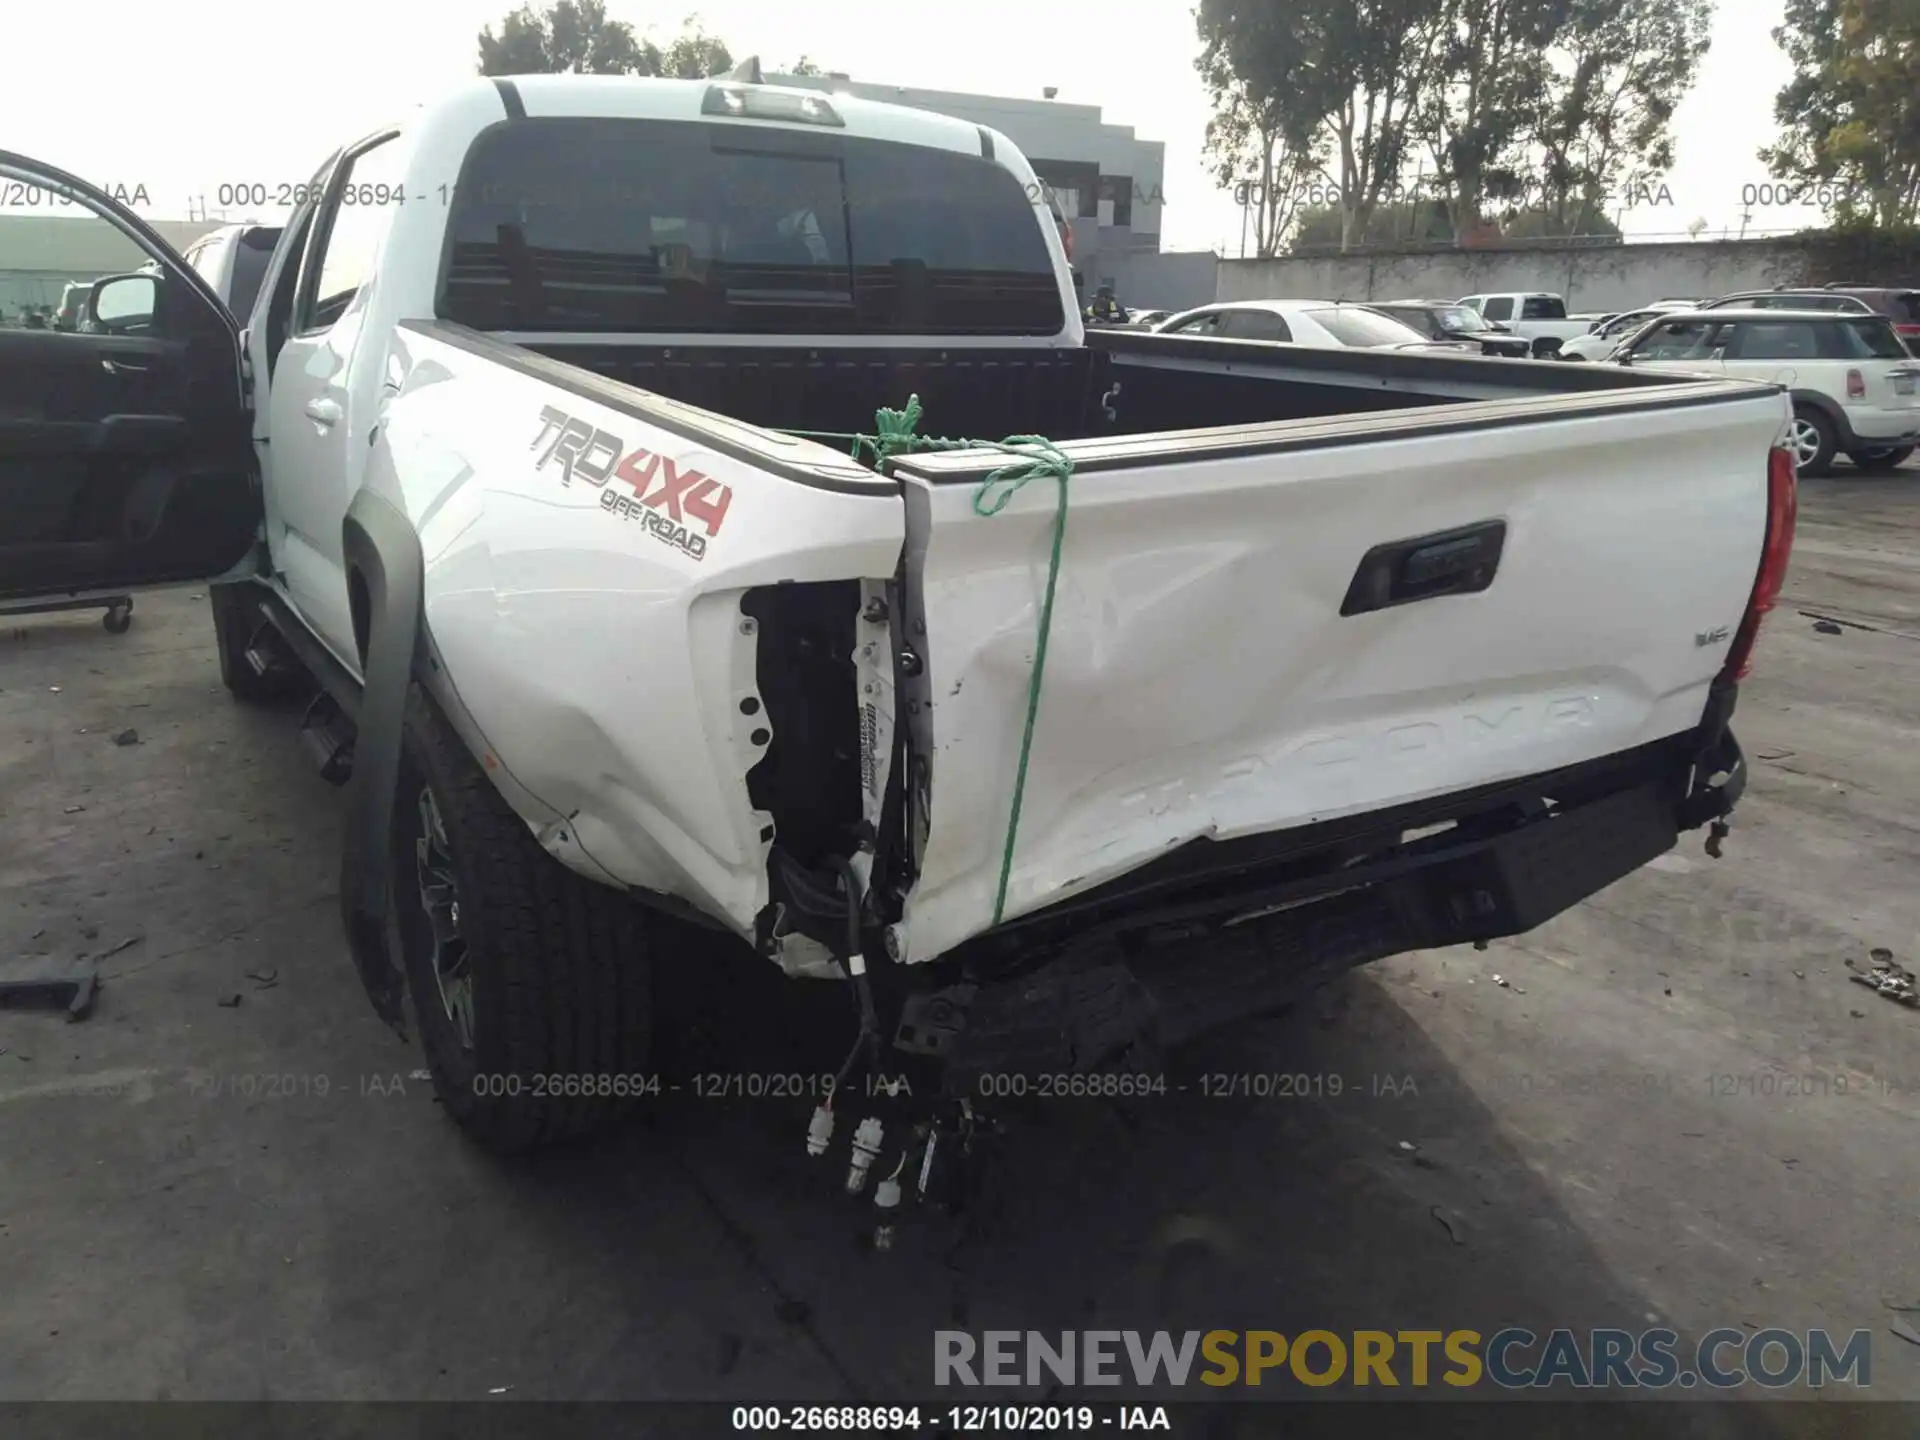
(123, 448)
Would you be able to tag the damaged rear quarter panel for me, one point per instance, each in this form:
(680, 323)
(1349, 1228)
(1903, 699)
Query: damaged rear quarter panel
(587, 612)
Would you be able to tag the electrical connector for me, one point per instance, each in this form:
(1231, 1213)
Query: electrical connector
(820, 1130)
(886, 1202)
(866, 1146)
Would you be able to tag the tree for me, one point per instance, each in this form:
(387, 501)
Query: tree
(1493, 71)
(1850, 116)
(694, 54)
(1249, 152)
(1352, 71)
(571, 37)
(1402, 222)
(1603, 127)
(576, 37)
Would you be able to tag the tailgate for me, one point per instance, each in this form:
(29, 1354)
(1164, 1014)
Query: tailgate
(1202, 679)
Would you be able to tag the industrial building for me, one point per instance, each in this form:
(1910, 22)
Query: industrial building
(40, 255)
(1107, 180)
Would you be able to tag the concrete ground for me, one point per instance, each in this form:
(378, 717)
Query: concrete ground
(1677, 1106)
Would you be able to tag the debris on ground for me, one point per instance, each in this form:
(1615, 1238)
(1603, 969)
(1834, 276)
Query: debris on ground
(793, 1312)
(127, 737)
(500, 1389)
(1826, 627)
(1906, 1332)
(1887, 979)
(419, 1075)
(230, 1002)
(1456, 1232)
(1408, 1145)
(115, 949)
(264, 979)
(51, 983)
(73, 810)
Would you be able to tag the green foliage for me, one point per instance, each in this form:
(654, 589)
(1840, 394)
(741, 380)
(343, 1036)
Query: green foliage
(1543, 107)
(1851, 112)
(1429, 221)
(1344, 75)
(576, 37)
(1605, 121)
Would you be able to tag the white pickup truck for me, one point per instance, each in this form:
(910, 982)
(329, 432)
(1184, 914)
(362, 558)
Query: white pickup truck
(1537, 316)
(1346, 653)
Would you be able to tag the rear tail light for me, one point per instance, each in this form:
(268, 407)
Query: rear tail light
(1856, 385)
(1910, 332)
(1783, 505)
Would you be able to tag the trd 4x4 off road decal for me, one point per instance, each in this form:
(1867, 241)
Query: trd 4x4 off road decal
(581, 449)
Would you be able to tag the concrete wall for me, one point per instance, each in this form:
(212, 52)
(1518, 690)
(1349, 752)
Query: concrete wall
(1613, 277)
(1168, 279)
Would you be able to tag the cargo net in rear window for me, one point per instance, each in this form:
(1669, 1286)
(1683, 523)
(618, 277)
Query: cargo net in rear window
(595, 225)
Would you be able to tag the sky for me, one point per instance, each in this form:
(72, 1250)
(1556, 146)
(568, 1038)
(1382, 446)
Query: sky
(253, 93)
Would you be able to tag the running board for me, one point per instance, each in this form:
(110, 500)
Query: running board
(327, 735)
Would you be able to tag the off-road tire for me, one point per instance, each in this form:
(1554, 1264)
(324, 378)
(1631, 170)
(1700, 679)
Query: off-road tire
(235, 622)
(560, 965)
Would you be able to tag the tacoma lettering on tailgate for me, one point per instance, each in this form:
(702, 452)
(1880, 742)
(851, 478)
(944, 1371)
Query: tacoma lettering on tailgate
(580, 449)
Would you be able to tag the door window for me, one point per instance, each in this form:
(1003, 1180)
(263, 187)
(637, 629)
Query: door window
(1254, 325)
(48, 266)
(1773, 340)
(1498, 308)
(1207, 324)
(1684, 340)
(347, 233)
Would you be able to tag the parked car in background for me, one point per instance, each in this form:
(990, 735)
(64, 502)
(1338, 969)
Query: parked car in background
(233, 260)
(1537, 315)
(1899, 305)
(1851, 380)
(1615, 330)
(1445, 320)
(72, 313)
(1327, 324)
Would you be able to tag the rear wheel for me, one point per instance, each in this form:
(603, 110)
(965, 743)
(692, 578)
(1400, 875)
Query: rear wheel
(1812, 439)
(1878, 462)
(532, 985)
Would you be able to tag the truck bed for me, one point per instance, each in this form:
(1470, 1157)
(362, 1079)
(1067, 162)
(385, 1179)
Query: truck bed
(1237, 649)
(1165, 383)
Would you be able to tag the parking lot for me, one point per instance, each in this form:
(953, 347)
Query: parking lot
(1675, 1106)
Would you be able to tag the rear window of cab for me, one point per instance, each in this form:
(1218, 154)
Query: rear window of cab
(599, 225)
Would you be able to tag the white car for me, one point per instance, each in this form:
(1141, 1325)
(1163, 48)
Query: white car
(1850, 377)
(233, 260)
(542, 486)
(1326, 324)
(1539, 315)
(1615, 330)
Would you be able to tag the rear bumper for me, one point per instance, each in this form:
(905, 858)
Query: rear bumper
(1884, 428)
(1508, 864)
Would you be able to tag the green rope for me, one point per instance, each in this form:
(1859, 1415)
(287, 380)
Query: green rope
(895, 433)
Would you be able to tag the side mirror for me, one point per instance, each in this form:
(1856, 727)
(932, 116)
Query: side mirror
(123, 302)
